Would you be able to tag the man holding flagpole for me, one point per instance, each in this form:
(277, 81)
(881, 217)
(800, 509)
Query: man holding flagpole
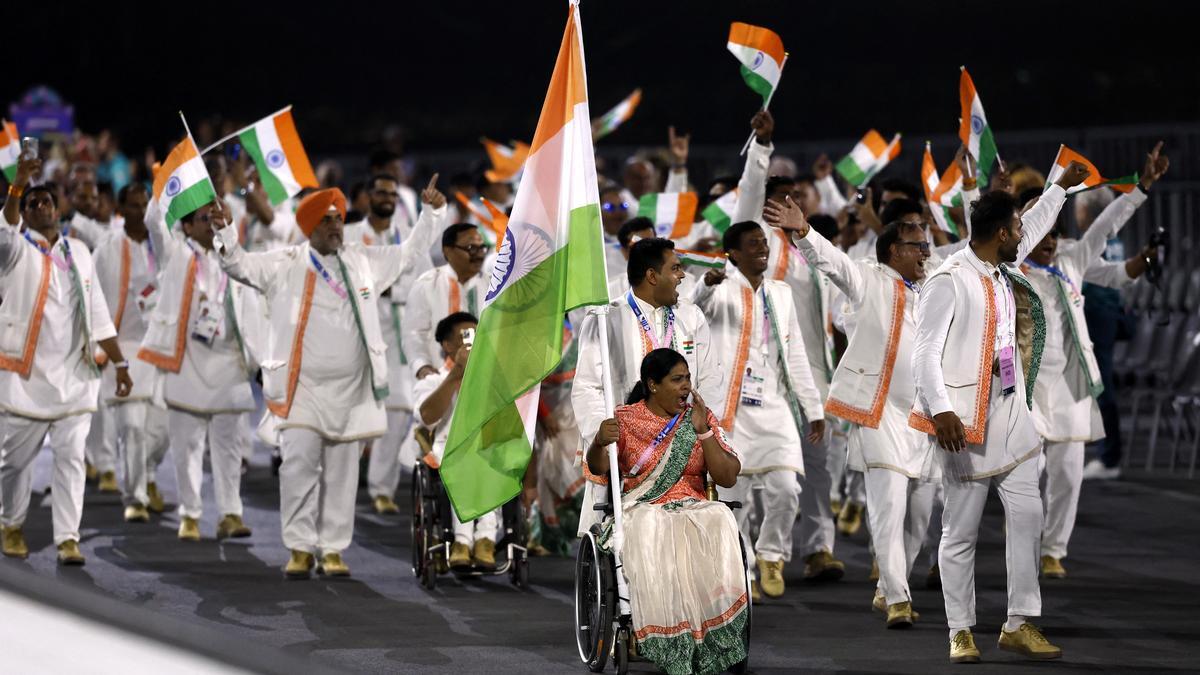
(325, 374)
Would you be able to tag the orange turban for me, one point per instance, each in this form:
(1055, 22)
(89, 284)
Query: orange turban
(316, 205)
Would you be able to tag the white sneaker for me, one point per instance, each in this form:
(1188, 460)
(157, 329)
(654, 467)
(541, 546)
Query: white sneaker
(1095, 470)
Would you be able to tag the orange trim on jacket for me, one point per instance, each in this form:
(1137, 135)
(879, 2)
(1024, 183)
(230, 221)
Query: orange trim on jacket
(282, 408)
(739, 364)
(23, 366)
(870, 418)
(172, 362)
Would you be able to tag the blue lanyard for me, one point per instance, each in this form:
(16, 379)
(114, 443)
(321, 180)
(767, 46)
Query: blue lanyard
(1051, 269)
(337, 288)
(67, 262)
(658, 438)
(911, 286)
(668, 334)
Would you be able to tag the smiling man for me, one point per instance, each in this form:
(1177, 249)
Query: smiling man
(766, 399)
(325, 376)
(873, 389)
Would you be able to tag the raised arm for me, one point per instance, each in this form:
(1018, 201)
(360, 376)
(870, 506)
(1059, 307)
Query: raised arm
(1038, 220)
(752, 188)
(26, 169)
(842, 271)
(677, 179)
(391, 261)
(832, 200)
(256, 270)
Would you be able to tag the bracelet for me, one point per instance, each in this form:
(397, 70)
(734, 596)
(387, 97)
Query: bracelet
(15, 191)
(706, 435)
(121, 364)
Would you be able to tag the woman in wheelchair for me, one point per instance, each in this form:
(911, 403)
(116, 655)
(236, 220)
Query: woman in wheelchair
(681, 554)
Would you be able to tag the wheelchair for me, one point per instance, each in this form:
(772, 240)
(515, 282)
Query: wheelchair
(433, 530)
(601, 611)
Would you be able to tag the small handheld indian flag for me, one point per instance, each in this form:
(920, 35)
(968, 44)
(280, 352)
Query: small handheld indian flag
(760, 51)
(672, 212)
(181, 184)
(699, 259)
(609, 121)
(868, 157)
(10, 149)
(283, 166)
(1094, 180)
(973, 128)
(506, 161)
(719, 214)
(930, 181)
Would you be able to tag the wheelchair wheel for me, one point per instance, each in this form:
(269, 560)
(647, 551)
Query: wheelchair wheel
(429, 577)
(420, 542)
(621, 650)
(595, 602)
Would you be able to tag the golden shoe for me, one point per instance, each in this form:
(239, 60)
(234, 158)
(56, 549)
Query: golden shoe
(770, 578)
(836, 505)
(189, 529)
(332, 565)
(108, 483)
(136, 513)
(460, 555)
(900, 615)
(963, 649)
(231, 526)
(850, 519)
(89, 471)
(755, 591)
(156, 504)
(1052, 568)
(14, 543)
(68, 553)
(874, 575)
(933, 580)
(879, 603)
(385, 505)
(484, 554)
(300, 566)
(1028, 641)
(822, 566)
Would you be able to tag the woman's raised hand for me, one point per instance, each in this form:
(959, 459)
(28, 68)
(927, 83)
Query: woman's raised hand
(699, 413)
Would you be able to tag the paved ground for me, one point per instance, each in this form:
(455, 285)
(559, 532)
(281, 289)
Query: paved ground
(1129, 604)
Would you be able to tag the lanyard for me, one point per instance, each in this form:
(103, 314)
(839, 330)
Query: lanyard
(395, 235)
(201, 271)
(1051, 269)
(668, 333)
(61, 263)
(151, 260)
(333, 283)
(766, 324)
(658, 438)
(1010, 310)
(911, 286)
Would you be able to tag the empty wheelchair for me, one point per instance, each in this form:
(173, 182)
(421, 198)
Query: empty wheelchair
(433, 531)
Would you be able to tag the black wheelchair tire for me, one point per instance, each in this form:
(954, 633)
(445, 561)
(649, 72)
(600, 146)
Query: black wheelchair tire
(595, 599)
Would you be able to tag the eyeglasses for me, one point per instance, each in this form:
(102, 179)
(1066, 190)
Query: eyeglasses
(922, 246)
(609, 206)
(472, 249)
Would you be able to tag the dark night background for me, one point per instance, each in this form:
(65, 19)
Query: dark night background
(449, 72)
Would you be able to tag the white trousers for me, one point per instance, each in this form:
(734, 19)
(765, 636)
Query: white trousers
(770, 501)
(816, 513)
(898, 510)
(1060, 494)
(1018, 490)
(142, 428)
(318, 481)
(836, 460)
(934, 538)
(483, 527)
(383, 471)
(223, 431)
(20, 440)
(101, 447)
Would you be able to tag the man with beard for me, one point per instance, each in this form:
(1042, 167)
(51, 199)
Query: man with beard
(457, 286)
(53, 311)
(980, 331)
(379, 229)
(325, 376)
(766, 399)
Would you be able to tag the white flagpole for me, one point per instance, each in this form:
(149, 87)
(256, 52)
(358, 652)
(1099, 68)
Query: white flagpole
(767, 103)
(239, 131)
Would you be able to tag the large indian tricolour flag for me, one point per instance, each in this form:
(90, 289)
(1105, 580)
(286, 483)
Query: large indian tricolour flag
(973, 128)
(181, 184)
(551, 260)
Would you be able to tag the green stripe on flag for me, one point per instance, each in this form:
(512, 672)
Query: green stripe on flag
(648, 205)
(10, 173)
(519, 343)
(849, 170)
(717, 217)
(987, 155)
(950, 223)
(275, 190)
(189, 200)
(756, 82)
